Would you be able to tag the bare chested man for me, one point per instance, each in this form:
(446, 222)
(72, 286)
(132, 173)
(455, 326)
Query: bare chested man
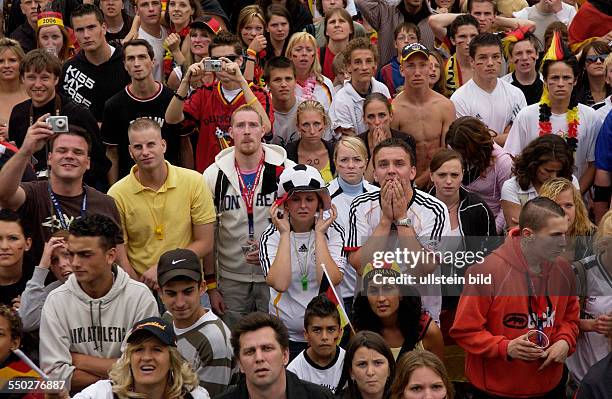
(420, 111)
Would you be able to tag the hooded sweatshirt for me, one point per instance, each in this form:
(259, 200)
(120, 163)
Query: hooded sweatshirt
(490, 316)
(91, 85)
(72, 321)
(231, 209)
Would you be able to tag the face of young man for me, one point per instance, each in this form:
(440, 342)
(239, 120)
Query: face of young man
(282, 84)
(362, 66)
(111, 8)
(40, 86)
(393, 163)
(416, 70)
(228, 52)
(549, 242)
(89, 32)
(261, 358)
(147, 149)
(149, 11)
(321, 335)
(29, 8)
(68, 158)
(138, 63)
(405, 38)
(247, 132)
(559, 81)
(90, 262)
(487, 62)
(182, 299)
(484, 12)
(524, 56)
(462, 39)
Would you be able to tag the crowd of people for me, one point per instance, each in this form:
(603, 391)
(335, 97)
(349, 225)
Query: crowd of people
(290, 199)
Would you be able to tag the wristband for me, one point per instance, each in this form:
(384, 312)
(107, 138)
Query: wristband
(252, 59)
(211, 286)
(182, 98)
(252, 53)
(251, 102)
(211, 281)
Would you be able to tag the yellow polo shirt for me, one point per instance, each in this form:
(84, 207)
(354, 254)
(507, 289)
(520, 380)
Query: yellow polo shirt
(183, 201)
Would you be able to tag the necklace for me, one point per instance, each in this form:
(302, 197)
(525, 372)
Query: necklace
(159, 225)
(303, 261)
(571, 137)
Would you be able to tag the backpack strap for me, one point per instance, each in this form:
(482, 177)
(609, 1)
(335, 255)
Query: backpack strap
(221, 187)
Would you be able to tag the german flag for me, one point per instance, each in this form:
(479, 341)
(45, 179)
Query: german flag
(15, 369)
(327, 289)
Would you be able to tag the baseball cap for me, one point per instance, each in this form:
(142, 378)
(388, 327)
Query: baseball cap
(178, 263)
(300, 178)
(411, 49)
(208, 23)
(154, 326)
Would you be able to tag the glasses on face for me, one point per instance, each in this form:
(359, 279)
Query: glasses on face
(232, 58)
(591, 59)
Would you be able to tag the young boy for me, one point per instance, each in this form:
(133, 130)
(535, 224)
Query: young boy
(322, 362)
(406, 33)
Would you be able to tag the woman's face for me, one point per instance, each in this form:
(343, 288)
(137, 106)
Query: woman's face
(377, 115)
(150, 363)
(180, 12)
(447, 179)
(6, 342)
(9, 65)
(200, 40)
(424, 383)
(370, 371)
(311, 125)
(302, 206)
(278, 28)
(384, 299)
(13, 243)
(547, 171)
(435, 71)
(350, 165)
(303, 55)
(595, 63)
(253, 28)
(445, 3)
(338, 28)
(51, 37)
(565, 199)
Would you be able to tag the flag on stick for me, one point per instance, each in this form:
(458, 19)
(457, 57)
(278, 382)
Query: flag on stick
(327, 289)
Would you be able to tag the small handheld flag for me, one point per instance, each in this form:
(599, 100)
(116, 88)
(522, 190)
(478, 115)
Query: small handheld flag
(327, 289)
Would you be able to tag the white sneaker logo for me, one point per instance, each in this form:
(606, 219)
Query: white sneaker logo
(174, 262)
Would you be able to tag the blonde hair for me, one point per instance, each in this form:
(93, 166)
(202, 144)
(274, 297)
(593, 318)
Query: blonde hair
(352, 143)
(608, 62)
(603, 236)
(248, 14)
(413, 360)
(10, 44)
(182, 378)
(315, 68)
(582, 226)
(315, 106)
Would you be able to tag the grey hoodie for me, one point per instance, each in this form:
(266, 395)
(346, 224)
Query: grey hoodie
(72, 321)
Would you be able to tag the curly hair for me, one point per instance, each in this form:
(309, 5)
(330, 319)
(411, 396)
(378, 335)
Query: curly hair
(360, 43)
(415, 360)
(581, 226)
(547, 148)
(99, 226)
(14, 321)
(474, 141)
(181, 379)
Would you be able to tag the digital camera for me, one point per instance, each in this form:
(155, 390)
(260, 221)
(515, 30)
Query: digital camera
(212, 65)
(59, 124)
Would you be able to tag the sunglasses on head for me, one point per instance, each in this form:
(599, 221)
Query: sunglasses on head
(232, 58)
(590, 59)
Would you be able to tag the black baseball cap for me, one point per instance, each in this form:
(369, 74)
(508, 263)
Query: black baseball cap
(153, 326)
(411, 49)
(178, 263)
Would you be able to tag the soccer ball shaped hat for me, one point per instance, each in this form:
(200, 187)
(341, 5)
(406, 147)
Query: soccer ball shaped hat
(301, 178)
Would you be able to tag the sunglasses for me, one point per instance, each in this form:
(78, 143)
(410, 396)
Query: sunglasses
(232, 58)
(591, 59)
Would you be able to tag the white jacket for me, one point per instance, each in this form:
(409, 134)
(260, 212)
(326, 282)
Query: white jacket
(72, 321)
(232, 215)
(103, 389)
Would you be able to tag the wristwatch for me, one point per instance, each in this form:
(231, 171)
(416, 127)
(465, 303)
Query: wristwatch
(406, 222)
(182, 98)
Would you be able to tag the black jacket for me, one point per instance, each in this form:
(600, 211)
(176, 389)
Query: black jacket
(26, 37)
(292, 153)
(296, 389)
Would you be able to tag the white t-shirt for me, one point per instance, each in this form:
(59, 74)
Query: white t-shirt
(306, 369)
(512, 192)
(430, 220)
(104, 390)
(496, 110)
(603, 112)
(347, 108)
(591, 347)
(158, 49)
(526, 128)
(285, 129)
(542, 20)
(290, 305)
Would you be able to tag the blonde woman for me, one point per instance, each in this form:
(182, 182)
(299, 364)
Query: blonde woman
(150, 367)
(581, 229)
(311, 149)
(311, 84)
(251, 29)
(12, 90)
